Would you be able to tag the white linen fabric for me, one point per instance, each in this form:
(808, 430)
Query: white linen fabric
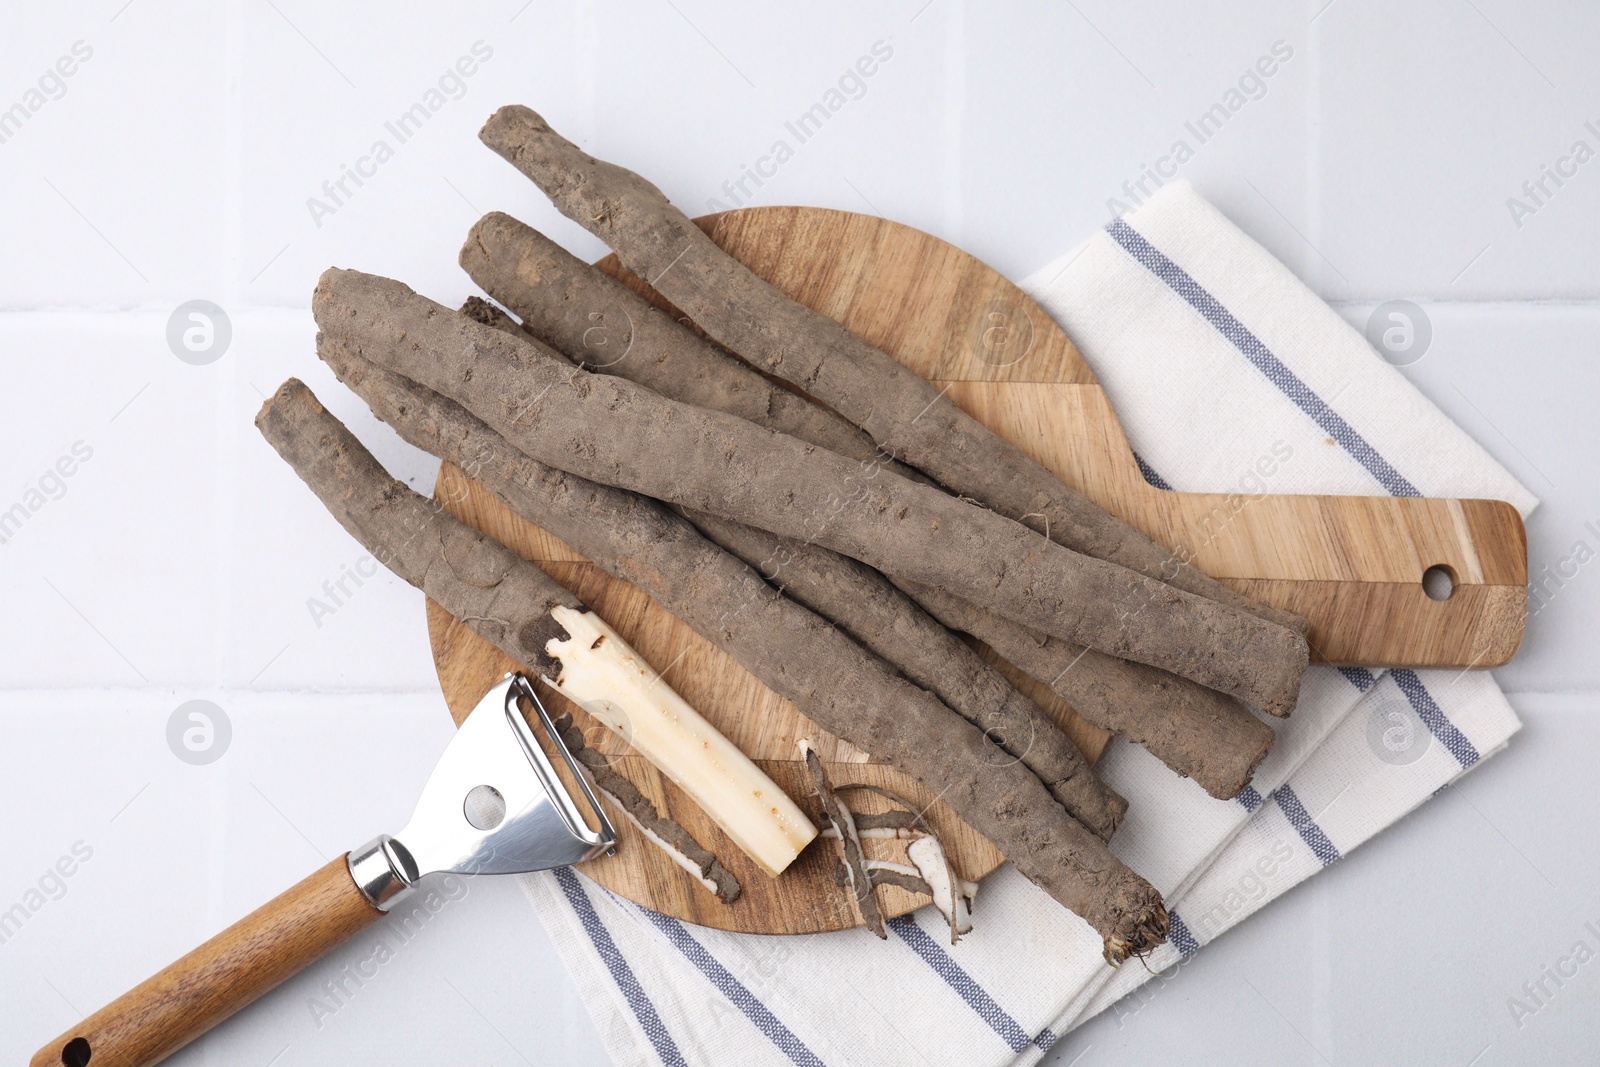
(1214, 355)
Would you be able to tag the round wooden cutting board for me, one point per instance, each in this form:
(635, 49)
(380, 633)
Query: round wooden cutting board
(1353, 566)
(939, 311)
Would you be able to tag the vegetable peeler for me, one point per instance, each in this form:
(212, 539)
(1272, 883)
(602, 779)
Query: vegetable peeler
(493, 805)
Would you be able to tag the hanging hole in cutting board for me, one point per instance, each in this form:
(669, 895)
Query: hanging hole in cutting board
(485, 808)
(76, 1053)
(1439, 582)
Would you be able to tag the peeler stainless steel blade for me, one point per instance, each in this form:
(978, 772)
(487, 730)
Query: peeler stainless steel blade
(494, 804)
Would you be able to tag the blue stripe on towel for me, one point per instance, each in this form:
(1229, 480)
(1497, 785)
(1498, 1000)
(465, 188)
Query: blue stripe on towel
(934, 955)
(1290, 384)
(1150, 474)
(621, 973)
(1359, 677)
(733, 989)
(1304, 825)
(1427, 709)
(1252, 799)
(1182, 938)
(1465, 752)
(1262, 357)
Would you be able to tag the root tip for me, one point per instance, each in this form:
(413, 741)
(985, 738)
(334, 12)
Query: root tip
(1138, 934)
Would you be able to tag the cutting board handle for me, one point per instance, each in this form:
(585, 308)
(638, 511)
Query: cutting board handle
(165, 1012)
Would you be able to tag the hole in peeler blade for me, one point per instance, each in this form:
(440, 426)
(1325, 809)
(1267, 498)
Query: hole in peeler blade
(1439, 582)
(76, 1053)
(484, 807)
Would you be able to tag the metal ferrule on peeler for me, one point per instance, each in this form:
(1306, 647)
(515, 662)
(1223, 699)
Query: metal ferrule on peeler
(384, 871)
(493, 805)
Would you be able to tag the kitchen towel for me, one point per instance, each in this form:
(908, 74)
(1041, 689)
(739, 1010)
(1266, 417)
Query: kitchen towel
(1214, 356)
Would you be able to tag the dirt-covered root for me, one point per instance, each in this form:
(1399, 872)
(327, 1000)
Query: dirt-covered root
(494, 591)
(604, 326)
(839, 685)
(868, 607)
(1143, 926)
(613, 431)
(1198, 732)
(908, 417)
(886, 621)
(518, 607)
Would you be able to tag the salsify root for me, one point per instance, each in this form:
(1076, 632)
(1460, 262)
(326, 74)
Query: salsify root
(660, 830)
(518, 607)
(618, 433)
(868, 607)
(909, 418)
(1198, 732)
(604, 326)
(835, 682)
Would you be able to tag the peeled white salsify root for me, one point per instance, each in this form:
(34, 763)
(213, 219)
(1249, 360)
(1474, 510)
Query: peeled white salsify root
(612, 682)
(659, 829)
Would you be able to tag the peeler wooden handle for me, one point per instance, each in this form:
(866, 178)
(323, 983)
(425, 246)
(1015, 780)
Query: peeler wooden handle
(538, 826)
(167, 1011)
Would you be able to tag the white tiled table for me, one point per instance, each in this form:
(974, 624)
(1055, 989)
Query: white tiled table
(175, 562)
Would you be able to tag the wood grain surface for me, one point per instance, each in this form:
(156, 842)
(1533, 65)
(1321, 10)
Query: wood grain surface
(168, 1010)
(1352, 565)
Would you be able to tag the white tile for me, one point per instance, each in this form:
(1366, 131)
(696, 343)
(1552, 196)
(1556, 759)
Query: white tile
(114, 582)
(1429, 120)
(117, 191)
(418, 185)
(182, 551)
